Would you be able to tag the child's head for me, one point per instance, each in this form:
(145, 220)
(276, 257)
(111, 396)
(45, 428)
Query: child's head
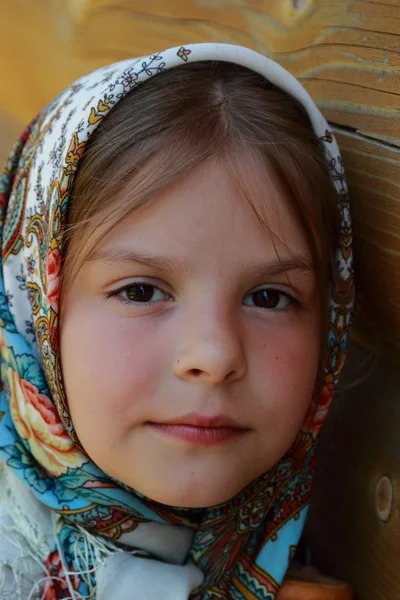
(203, 231)
(187, 205)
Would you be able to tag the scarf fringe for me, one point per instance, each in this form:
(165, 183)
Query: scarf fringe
(25, 535)
(19, 578)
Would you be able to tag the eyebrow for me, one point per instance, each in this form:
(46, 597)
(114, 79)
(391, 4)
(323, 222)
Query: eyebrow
(111, 255)
(281, 266)
(273, 268)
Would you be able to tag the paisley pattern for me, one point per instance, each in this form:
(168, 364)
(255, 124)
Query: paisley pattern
(243, 546)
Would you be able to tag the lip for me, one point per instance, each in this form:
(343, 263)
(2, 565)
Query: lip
(206, 421)
(199, 436)
(200, 430)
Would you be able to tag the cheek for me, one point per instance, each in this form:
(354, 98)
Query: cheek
(114, 365)
(285, 365)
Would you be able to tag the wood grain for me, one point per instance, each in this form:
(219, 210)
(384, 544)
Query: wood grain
(340, 48)
(359, 445)
(373, 170)
(9, 132)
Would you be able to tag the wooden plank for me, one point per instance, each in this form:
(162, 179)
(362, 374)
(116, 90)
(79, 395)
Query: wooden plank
(373, 170)
(354, 526)
(9, 132)
(332, 41)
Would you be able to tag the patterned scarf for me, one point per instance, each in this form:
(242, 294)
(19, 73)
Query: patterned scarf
(243, 546)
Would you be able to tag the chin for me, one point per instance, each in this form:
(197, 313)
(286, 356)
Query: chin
(198, 497)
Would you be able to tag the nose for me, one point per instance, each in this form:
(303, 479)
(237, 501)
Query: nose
(211, 352)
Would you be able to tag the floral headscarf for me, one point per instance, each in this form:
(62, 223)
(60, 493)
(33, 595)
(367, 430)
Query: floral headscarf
(243, 547)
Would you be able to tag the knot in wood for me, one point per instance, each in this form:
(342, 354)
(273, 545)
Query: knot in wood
(384, 494)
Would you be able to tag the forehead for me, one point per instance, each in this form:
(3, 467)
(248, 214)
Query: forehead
(221, 206)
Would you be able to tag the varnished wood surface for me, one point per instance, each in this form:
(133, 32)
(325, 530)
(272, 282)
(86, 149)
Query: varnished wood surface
(346, 52)
(9, 131)
(354, 524)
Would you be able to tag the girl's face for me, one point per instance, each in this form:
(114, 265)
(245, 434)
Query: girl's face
(190, 341)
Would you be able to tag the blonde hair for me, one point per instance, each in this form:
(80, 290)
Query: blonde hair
(175, 121)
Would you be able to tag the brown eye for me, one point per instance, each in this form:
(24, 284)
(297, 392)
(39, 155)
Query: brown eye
(140, 292)
(268, 298)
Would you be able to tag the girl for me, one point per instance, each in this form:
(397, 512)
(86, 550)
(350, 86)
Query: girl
(175, 300)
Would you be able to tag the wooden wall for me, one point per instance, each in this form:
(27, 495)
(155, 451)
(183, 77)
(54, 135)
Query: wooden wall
(353, 529)
(347, 54)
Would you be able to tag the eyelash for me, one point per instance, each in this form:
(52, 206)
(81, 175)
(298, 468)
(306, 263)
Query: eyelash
(292, 300)
(117, 294)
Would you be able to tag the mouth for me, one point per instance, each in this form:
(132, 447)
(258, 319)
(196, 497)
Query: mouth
(200, 430)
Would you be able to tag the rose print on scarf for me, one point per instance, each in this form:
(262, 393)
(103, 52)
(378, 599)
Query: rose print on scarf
(53, 270)
(327, 394)
(57, 588)
(37, 421)
(318, 409)
(4, 352)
